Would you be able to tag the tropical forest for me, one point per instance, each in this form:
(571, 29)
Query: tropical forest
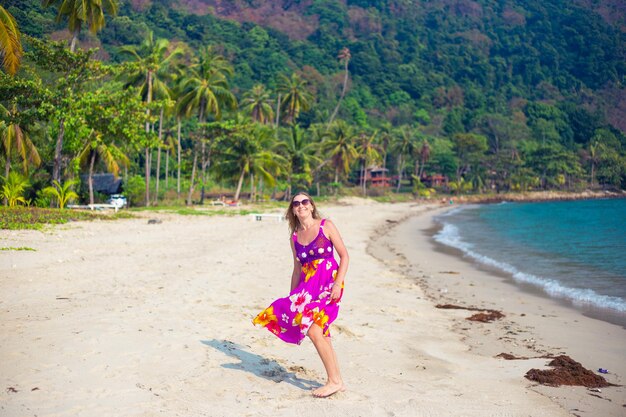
(184, 102)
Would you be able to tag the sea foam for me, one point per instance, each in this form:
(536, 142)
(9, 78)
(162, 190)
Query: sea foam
(449, 235)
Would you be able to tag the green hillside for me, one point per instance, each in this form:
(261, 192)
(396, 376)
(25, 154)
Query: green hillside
(494, 95)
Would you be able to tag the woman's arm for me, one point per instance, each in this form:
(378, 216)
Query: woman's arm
(333, 234)
(295, 275)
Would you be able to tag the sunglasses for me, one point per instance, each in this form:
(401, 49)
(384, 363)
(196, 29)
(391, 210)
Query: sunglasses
(304, 202)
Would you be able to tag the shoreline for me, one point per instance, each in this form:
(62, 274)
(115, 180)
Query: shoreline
(536, 197)
(533, 325)
(599, 313)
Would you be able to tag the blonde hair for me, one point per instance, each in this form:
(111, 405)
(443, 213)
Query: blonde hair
(294, 222)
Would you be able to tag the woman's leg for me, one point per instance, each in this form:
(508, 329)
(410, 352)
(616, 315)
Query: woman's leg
(325, 349)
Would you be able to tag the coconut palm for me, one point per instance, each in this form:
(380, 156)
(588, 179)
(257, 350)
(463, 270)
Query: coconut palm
(152, 71)
(369, 153)
(424, 156)
(96, 149)
(79, 12)
(344, 56)
(296, 97)
(10, 45)
(205, 90)
(300, 154)
(15, 140)
(13, 188)
(339, 148)
(403, 145)
(249, 150)
(61, 192)
(256, 102)
(153, 64)
(170, 146)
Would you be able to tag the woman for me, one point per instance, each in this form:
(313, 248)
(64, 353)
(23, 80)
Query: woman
(316, 288)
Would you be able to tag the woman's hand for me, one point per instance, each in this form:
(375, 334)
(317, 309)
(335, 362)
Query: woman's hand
(335, 293)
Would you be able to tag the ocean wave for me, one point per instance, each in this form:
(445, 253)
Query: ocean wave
(449, 235)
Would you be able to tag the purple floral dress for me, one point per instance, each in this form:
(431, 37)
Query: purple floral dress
(291, 317)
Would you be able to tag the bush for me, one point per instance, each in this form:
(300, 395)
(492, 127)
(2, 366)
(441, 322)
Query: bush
(135, 190)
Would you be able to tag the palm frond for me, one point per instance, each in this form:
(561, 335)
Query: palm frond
(10, 44)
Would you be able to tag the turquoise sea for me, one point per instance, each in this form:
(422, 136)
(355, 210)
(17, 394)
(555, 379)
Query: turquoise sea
(574, 251)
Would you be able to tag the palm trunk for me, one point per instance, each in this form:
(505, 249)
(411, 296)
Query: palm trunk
(363, 179)
(56, 171)
(92, 163)
(178, 157)
(343, 92)
(203, 160)
(7, 169)
(147, 169)
(147, 164)
(400, 168)
(240, 183)
(336, 181)
(158, 167)
(158, 172)
(277, 114)
(289, 189)
(593, 174)
(74, 41)
(193, 177)
(167, 168)
(252, 188)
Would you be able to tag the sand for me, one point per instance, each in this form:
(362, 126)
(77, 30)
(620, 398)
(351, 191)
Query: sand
(128, 318)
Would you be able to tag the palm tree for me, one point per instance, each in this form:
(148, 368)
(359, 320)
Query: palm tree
(368, 151)
(151, 72)
(317, 134)
(79, 12)
(161, 145)
(10, 45)
(96, 149)
(180, 113)
(13, 189)
(296, 97)
(170, 146)
(424, 154)
(62, 192)
(300, 154)
(339, 148)
(205, 89)
(15, 139)
(250, 150)
(594, 157)
(403, 144)
(257, 103)
(344, 56)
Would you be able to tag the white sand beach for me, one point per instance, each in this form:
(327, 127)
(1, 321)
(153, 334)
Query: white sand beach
(127, 318)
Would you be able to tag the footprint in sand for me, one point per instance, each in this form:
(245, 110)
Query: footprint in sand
(345, 331)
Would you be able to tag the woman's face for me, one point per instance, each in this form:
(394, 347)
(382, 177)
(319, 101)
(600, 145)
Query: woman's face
(302, 206)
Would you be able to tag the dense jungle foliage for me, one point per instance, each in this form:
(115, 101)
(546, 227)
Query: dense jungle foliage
(181, 97)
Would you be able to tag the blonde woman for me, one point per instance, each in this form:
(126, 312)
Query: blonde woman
(316, 288)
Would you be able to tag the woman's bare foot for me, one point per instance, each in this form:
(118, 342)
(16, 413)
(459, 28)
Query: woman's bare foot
(328, 390)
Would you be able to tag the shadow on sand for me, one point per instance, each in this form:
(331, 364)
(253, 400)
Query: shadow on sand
(258, 365)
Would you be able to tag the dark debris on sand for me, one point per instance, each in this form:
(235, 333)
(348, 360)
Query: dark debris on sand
(567, 372)
(485, 316)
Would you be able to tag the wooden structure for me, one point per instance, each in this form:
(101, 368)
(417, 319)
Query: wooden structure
(377, 177)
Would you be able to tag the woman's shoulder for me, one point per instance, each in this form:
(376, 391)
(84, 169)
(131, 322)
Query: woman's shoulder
(327, 222)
